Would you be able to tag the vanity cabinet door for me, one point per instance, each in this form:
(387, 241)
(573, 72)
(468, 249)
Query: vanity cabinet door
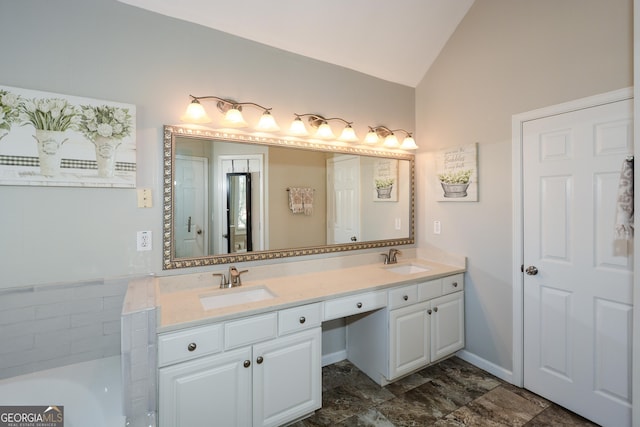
(409, 338)
(209, 391)
(447, 325)
(287, 378)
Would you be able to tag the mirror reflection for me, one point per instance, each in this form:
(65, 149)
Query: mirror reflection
(251, 199)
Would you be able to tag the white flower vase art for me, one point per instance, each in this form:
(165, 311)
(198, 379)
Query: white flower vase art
(50, 150)
(105, 127)
(455, 184)
(51, 118)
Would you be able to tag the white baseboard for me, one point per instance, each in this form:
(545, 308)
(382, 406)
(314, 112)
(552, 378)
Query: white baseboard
(328, 359)
(485, 365)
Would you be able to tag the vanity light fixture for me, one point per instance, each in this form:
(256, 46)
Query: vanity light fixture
(323, 130)
(390, 139)
(232, 111)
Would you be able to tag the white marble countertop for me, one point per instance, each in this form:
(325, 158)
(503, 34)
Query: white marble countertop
(179, 305)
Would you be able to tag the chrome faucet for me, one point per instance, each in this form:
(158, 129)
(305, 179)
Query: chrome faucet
(233, 280)
(234, 276)
(392, 256)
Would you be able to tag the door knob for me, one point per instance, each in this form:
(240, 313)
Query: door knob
(354, 239)
(531, 270)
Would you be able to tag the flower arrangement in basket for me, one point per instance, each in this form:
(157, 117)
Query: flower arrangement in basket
(455, 184)
(9, 112)
(105, 126)
(384, 187)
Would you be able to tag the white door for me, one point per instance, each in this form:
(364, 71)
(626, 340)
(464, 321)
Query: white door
(447, 325)
(191, 204)
(577, 307)
(409, 339)
(343, 199)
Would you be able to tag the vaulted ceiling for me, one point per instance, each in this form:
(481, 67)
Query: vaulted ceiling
(395, 40)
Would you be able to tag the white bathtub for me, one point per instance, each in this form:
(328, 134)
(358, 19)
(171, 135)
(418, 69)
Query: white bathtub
(91, 392)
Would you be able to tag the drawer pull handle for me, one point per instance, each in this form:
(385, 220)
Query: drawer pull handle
(429, 312)
(359, 305)
(302, 319)
(435, 309)
(192, 346)
(259, 360)
(406, 297)
(247, 363)
(455, 284)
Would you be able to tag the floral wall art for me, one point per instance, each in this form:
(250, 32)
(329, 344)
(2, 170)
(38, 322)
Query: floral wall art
(59, 140)
(385, 180)
(457, 174)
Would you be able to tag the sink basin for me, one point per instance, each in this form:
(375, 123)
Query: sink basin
(227, 298)
(407, 269)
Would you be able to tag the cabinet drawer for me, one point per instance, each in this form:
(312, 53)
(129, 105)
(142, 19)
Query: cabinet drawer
(429, 290)
(403, 296)
(354, 304)
(184, 345)
(250, 330)
(453, 283)
(299, 318)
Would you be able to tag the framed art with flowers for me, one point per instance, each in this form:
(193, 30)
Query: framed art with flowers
(60, 140)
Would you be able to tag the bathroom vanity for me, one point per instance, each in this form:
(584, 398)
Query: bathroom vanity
(257, 362)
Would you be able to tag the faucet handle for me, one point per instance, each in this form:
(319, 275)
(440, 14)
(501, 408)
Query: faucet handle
(224, 283)
(234, 276)
(386, 258)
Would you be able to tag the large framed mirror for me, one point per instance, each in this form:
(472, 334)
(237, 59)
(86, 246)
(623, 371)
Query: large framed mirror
(231, 196)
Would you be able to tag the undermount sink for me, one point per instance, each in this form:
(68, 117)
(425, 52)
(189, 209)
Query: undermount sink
(407, 269)
(227, 298)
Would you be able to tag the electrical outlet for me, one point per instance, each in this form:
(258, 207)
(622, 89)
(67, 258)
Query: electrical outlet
(144, 240)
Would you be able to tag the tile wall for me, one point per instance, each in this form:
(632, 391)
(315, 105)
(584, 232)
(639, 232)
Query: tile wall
(47, 326)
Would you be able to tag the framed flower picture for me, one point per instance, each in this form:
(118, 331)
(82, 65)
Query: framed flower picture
(457, 174)
(59, 140)
(385, 180)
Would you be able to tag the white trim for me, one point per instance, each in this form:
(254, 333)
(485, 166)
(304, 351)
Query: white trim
(517, 123)
(485, 365)
(338, 356)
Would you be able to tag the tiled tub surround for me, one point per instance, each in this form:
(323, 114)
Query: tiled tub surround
(47, 326)
(178, 305)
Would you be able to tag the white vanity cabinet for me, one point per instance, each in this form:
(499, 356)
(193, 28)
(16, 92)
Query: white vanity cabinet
(423, 323)
(267, 373)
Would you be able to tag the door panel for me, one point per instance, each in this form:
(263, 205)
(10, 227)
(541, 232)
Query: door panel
(191, 203)
(577, 308)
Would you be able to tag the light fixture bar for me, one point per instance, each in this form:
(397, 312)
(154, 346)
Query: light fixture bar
(322, 125)
(233, 113)
(390, 140)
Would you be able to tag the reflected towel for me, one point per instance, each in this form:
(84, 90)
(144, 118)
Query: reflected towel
(624, 203)
(301, 200)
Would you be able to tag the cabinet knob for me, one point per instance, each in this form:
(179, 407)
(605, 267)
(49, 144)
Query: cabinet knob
(259, 360)
(192, 346)
(429, 312)
(247, 363)
(455, 284)
(359, 305)
(406, 297)
(302, 319)
(435, 309)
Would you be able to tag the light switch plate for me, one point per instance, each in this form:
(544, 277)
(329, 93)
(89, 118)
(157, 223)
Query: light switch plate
(436, 227)
(144, 198)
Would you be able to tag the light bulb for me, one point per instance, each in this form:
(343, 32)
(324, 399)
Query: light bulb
(267, 123)
(195, 113)
(391, 141)
(409, 143)
(324, 131)
(297, 127)
(348, 134)
(371, 138)
(233, 118)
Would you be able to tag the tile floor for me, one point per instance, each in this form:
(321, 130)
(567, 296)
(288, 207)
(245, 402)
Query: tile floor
(450, 393)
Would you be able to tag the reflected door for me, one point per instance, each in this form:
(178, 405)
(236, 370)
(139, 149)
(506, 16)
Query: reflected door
(239, 221)
(343, 204)
(578, 276)
(191, 201)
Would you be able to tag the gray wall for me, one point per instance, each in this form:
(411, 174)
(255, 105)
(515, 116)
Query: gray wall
(506, 57)
(107, 50)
